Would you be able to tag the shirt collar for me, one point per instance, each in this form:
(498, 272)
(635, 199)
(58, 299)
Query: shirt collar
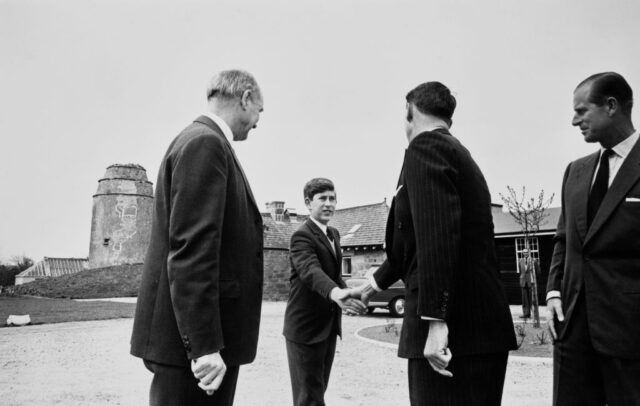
(226, 130)
(323, 227)
(623, 148)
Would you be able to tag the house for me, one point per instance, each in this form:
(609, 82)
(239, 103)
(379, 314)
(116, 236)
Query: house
(362, 234)
(51, 267)
(510, 243)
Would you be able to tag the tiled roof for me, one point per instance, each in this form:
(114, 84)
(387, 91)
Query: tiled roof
(52, 267)
(505, 224)
(361, 225)
(277, 234)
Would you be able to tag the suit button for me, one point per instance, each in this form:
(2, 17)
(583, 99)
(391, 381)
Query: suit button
(399, 225)
(445, 293)
(443, 308)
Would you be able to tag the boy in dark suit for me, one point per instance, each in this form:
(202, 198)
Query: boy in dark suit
(317, 296)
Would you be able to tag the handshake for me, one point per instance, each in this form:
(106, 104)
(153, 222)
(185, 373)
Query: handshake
(353, 301)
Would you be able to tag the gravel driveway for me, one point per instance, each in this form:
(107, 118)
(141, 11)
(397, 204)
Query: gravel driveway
(88, 363)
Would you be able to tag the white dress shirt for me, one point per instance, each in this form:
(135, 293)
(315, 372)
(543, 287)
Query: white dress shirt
(620, 152)
(226, 130)
(323, 227)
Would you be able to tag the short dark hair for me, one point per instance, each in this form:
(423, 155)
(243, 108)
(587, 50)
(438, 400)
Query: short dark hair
(433, 98)
(609, 84)
(317, 185)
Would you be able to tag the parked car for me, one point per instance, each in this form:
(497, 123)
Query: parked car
(392, 298)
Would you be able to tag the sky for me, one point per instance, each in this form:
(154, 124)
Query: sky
(85, 84)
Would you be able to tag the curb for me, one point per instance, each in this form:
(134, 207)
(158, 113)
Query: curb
(546, 361)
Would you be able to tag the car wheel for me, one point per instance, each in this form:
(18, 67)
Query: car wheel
(396, 307)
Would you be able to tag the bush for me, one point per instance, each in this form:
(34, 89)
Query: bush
(8, 274)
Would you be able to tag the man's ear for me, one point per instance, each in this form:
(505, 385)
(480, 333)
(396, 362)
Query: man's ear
(612, 105)
(244, 100)
(307, 202)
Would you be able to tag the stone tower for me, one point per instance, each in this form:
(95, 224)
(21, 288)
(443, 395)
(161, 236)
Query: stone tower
(121, 222)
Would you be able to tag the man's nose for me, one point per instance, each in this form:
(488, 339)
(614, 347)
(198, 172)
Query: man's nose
(576, 120)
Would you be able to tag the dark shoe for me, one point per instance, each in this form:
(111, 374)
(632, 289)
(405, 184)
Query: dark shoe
(525, 316)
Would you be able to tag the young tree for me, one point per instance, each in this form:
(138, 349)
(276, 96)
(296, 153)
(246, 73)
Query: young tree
(529, 214)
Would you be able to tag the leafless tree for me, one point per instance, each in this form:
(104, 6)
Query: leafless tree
(529, 213)
(22, 262)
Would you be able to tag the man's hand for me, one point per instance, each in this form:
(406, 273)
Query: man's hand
(436, 349)
(210, 370)
(554, 308)
(364, 292)
(345, 299)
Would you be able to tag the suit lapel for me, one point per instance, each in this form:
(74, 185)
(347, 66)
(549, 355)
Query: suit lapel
(627, 176)
(584, 176)
(211, 124)
(322, 237)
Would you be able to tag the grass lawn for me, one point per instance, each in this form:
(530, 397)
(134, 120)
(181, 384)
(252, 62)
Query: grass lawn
(44, 310)
(531, 347)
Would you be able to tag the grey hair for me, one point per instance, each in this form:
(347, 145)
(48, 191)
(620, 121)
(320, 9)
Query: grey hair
(231, 83)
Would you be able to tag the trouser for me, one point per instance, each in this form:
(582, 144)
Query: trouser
(309, 368)
(477, 380)
(583, 377)
(526, 301)
(176, 386)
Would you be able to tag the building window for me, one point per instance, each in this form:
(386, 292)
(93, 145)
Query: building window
(534, 249)
(346, 266)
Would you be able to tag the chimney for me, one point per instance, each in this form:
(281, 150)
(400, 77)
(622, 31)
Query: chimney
(291, 215)
(276, 209)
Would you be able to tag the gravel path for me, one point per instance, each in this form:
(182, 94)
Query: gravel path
(88, 363)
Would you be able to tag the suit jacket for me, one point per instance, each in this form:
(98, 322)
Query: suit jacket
(526, 271)
(440, 241)
(602, 261)
(311, 316)
(201, 289)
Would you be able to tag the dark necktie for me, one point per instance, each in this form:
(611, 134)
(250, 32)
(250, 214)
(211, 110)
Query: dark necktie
(330, 234)
(600, 186)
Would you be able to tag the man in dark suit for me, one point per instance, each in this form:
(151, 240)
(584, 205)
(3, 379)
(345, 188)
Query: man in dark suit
(199, 303)
(440, 242)
(593, 291)
(527, 266)
(316, 298)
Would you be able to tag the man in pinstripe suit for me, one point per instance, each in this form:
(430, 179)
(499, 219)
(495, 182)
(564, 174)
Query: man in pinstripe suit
(457, 328)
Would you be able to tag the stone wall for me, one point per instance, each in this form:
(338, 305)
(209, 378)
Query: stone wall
(276, 274)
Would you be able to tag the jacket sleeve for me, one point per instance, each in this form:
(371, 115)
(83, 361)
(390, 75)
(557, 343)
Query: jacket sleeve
(198, 195)
(431, 179)
(556, 271)
(386, 275)
(307, 265)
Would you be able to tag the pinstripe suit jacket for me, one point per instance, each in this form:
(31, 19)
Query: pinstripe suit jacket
(440, 241)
